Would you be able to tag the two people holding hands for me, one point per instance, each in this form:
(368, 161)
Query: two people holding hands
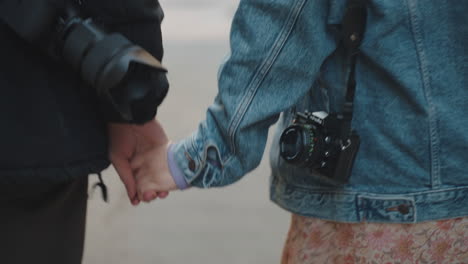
(292, 58)
(403, 196)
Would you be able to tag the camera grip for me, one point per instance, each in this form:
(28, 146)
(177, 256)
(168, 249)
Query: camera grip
(344, 165)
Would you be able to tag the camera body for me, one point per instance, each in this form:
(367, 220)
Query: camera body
(314, 141)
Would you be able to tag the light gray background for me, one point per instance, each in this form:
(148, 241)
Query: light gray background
(237, 224)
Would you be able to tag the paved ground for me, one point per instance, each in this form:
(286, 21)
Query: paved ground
(234, 225)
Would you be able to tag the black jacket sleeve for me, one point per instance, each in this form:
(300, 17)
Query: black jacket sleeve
(139, 21)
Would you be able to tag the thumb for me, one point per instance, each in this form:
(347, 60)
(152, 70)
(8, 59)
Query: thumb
(122, 166)
(137, 161)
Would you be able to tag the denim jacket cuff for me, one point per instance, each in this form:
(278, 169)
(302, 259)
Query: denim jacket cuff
(185, 156)
(193, 158)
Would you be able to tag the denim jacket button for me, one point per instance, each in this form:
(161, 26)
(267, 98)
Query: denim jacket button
(403, 209)
(191, 163)
(192, 166)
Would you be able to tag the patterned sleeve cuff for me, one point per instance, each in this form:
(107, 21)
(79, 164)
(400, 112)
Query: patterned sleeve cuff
(176, 172)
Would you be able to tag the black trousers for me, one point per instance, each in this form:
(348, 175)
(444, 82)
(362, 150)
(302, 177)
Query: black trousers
(45, 224)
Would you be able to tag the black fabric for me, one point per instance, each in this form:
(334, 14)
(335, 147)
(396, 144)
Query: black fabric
(131, 18)
(43, 224)
(52, 128)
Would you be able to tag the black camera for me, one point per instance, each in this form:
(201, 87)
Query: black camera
(315, 141)
(326, 143)
(129, 79)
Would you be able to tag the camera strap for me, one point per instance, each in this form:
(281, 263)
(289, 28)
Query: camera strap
(353, 28)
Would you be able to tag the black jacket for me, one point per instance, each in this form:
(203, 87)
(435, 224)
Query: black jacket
(52, 126)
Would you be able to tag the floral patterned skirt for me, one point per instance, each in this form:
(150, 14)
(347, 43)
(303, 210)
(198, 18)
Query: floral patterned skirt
(313, 240)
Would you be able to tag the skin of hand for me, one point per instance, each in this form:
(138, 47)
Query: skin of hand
(126, 141)
(152, 172)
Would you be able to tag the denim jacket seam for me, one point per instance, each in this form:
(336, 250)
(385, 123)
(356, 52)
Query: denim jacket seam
(427, 87)
(191, 147)
(370, 194)
(410, 200)
(416, 201)
(261, 73)
(223, 159)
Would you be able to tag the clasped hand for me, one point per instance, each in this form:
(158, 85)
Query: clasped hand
(139, 155)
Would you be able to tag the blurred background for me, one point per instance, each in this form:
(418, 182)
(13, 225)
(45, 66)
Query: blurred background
(236, 224)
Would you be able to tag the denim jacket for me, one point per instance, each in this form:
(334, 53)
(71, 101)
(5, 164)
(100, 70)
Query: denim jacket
(411, 108)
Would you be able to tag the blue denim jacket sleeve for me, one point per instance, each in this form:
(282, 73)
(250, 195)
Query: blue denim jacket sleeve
(255, 87)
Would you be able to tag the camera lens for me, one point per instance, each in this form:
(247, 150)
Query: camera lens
(302, 145)
(295, 144)
(291, 143)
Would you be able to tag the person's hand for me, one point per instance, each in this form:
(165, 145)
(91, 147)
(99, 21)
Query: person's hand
(151, 170)
(126, 141)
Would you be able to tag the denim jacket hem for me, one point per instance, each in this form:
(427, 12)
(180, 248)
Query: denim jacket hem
(353, 207)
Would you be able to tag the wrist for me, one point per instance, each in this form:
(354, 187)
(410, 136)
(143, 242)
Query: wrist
(175, 171)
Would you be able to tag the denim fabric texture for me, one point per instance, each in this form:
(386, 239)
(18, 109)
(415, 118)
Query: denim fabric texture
(410, 109)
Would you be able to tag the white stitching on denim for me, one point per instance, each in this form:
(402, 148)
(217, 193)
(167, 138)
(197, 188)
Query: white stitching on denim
(411, 219)
(282, 201)
(349, 192)
(433, 132)
(262, 72)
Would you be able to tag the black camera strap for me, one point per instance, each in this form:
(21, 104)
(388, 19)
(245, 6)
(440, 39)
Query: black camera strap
(353, 28)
